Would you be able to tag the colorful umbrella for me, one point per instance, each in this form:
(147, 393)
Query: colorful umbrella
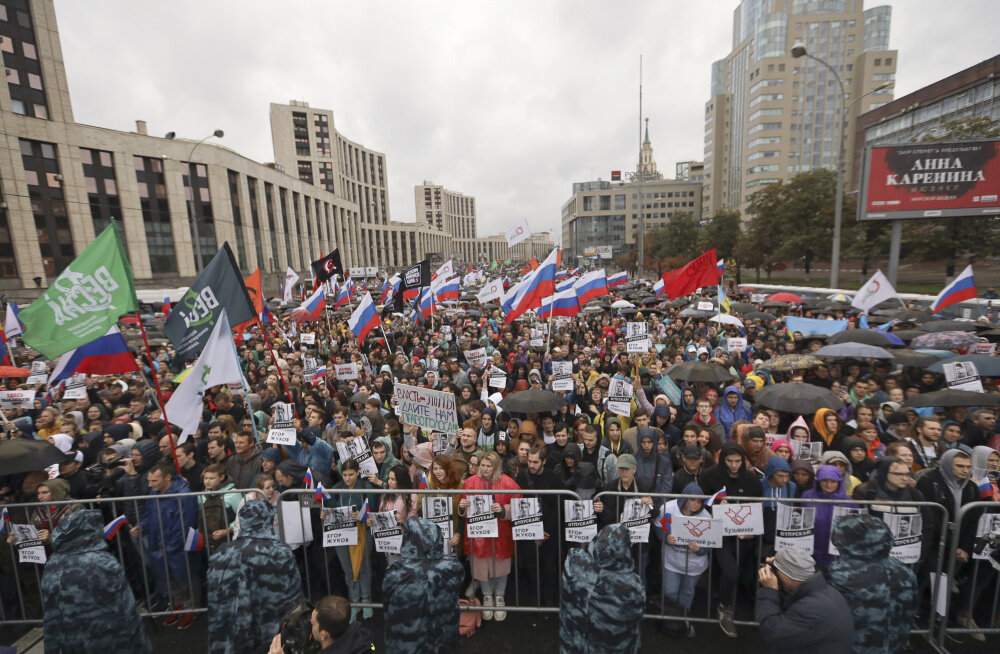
(790, 362)
(11, 371)
(784, 297)
(944, 340)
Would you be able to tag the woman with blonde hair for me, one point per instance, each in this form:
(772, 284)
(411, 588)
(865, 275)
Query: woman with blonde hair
(489, 558)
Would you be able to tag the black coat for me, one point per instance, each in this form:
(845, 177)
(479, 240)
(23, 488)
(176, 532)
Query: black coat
(813, 618)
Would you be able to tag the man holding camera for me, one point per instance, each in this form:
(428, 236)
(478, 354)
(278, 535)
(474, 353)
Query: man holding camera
(333, 630)
(797, 610)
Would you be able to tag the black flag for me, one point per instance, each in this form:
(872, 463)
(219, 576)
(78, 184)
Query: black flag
(413, 278)
(324, 269)
(192, 319)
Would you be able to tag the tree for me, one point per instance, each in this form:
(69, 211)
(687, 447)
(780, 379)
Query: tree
(951, 239)
(723, 231)
(681, 236)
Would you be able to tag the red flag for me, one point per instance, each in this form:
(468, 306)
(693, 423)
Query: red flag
(256, 296)
(534, 263)
(691, 276)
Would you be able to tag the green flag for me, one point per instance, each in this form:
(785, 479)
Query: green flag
(84, 301)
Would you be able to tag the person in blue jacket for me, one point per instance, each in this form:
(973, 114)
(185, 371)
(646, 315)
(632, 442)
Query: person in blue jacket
(732, 408)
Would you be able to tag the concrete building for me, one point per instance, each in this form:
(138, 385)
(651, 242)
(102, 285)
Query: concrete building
(62, 182)
(771, 116)
(607, 213)
(970, 93)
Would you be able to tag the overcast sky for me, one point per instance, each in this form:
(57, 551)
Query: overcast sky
(510, 102)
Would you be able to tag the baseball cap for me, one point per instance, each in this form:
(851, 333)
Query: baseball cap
(692, 452)
(626, 461)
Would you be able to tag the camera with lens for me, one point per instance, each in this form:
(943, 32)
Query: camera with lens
(296, 630)
(989, 540)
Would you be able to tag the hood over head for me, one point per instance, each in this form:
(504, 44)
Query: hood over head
(613, 549)
(80, 531)
(692, 488)
(257, 520)
(422, 540)
(861, 536)
(799, 422)
(850, 443)
(572, 451)
(59, 489)
(980, 455)
(150, 451)
(776, 464)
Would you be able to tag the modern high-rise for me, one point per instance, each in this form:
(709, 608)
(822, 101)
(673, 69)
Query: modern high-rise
(771, 115)
(449, 211)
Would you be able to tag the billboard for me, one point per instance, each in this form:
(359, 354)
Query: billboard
(603, 251)
(931, 180)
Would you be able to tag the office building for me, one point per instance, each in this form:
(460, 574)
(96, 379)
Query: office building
(771, 115)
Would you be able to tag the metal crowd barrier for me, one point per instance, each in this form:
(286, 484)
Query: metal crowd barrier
(978, 575)
(707, 583)
(532, 568)
(20, 589)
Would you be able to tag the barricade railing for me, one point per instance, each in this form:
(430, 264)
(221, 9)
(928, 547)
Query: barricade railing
(758, 552)
(538, 565)
(977, 578)
(159, 590)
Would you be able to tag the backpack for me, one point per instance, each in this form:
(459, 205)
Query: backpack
(469, 621)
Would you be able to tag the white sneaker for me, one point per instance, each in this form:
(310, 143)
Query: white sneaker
(488, 605)
(966, 622)
(499, 616)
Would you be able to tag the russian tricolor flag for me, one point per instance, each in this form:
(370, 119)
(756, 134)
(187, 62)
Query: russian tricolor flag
(659, 287)
(617, 279)
(389, 289)
(985, 488)
(312, 308)
(112, 527)
(666, 523)
(344, 296)
(720, 265)
(563, 303)
(448, 290)
(591, 285)
(426, 305)
(962, 288)
(422, 486)
(719, 495)
(308, 478)
(320, 495)
(5, 527)
(106, 355)
(363, 513)
(194, 542)
(318, 374)
(364, 319)
(539, 284)
(561, 275)
(166, 307)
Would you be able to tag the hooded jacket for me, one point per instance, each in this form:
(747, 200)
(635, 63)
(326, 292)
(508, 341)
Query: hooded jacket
(745, 483)
(680, 558)
(653, 469)
(242, 471)
(850, 481)
(252, 582)
(824, 512)
(863, 469)
(940, 485)
(980, 457)
(390, 460)
(881, 591)
(728, 415)
(421, 593)
(802, 464)
(82, 616)
(602, 597)
(581, 477)
(831, 440)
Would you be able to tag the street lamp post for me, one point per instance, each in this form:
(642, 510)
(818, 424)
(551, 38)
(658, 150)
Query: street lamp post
(190, 202)
(798, 51)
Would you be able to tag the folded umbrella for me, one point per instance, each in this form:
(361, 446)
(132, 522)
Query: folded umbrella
(798, 398)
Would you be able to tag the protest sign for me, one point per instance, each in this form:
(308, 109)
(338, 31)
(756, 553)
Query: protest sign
(440, 441)
(737, 344)
(357, 449)
(17, 399)
(562, 375)
(906, 530)
(670, 389)
(76, 387)
(838, 512)
(526, 518)
(795, 525)
(811, 452)
(637, 337)
(433, 410)
(581, 522)
(740, 519)
(39, 373)
(983, 347)
(282, 431)
(480, 521)
(988, 524)
(962, 376)
(498, 379)
(620, 397)
(439, 511)
(347, 370)
(477, 357)
(339, 528)
(703, 532)
(307, 338)
(387, 532)
(28, 545)
(706, 306)
(635, 516)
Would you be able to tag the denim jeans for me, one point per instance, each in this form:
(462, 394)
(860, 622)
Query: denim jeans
(679, 587)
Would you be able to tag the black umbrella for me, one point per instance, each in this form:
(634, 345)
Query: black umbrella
(986, 364)
(742, 307)
(911, 315)
(908, 334)
(759, 315)
(949, 397)
(699, 371)
(25, 455)
(649, 301)
(866, 336)
(852, 350)
(948, 326)
(532, 401)
(798, 398)
(912, 358)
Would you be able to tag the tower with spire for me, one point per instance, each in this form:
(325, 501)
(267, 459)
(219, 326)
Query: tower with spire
(647, 165)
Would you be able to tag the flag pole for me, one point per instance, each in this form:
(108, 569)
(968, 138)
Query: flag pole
(274, 357)
(552, 309)
(159, 395)
(246, 389)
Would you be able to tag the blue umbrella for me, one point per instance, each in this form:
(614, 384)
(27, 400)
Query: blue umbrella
(941, 354)
(986, 364)
(944, 340)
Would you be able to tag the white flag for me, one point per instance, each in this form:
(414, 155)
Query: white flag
(492, 291)
(12, 326)
(876, 290)
(518, 233)
(290, 278)
(216, 365)
(446, 270)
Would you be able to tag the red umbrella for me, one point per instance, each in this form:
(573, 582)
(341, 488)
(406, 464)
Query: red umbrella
(784, 297)
(11, 371)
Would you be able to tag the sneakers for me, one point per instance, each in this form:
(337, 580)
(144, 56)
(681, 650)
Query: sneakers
(367, 613)
(354, 613)
(690, 630)
(726, 621)
(499, 616)
(186, 620)
(173, 618)
(488, 606)
(966, 622)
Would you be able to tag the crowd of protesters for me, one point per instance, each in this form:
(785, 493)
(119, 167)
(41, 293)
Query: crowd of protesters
(715, 437)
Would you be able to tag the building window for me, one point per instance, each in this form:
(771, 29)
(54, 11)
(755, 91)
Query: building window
(20, 58)
(269, 204)
(234, 201)
(255, 220)
(199, 208)
(283, 202)
(48, 205)
(8, 262)
(155, 214)
(102, 190)
(305, 172)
